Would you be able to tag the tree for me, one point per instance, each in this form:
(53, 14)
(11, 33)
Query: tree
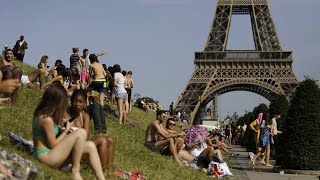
(279, 105)
(301, 135)
(261, 108)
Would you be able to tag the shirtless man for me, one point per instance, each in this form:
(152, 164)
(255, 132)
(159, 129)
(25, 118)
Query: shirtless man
(99, 81)
(178, 141)
(155, 128)
(10, 71)
(85, 64)
(7, 86)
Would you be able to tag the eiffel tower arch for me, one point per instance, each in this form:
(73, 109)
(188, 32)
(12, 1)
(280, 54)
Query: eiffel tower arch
(265, 71)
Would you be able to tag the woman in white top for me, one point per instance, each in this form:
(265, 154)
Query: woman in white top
(120, 92)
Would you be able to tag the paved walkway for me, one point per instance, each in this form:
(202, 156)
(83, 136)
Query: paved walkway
(242, 169)
(238, 164)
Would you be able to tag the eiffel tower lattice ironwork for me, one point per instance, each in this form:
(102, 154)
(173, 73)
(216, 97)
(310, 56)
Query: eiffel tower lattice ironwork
(265, 71)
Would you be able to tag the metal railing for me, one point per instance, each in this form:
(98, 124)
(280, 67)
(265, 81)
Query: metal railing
(238, 55)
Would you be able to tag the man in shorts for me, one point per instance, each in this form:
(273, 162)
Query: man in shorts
(154, 129)
(99, 83)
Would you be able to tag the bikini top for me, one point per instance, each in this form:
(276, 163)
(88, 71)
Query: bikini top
(39, 133)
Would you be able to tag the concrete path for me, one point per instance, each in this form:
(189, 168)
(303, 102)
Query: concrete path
(242, 169)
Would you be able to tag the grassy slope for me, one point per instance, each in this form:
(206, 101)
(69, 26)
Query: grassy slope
(130, 152)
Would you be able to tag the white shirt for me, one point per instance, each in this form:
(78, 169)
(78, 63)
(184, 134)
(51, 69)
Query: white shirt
(197, 151)
(87, 62)
(120, 88)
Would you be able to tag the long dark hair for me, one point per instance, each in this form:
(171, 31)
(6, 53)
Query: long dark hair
(54, 103)
(42, 60)
(116, 68)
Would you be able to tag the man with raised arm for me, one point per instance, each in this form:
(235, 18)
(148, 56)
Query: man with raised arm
(154, 129)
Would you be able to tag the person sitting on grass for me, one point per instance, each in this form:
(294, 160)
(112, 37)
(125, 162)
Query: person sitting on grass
(63, 77)
(10, 71)
(7, 86)
(214, 141)
(178, 141)
(104, 143)
(155, 128)
(30, 79)
(55, 149)
(53, 71)
(143, 104)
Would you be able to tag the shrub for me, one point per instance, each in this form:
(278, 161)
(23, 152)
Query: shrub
(301, 135)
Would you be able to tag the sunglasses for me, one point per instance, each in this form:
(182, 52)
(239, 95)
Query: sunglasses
(173, 124)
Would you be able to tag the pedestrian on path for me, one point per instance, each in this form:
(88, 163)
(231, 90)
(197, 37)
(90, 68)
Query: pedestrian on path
(264, 140)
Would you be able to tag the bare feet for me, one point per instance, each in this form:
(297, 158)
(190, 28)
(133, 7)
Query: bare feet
(252, 162)
(76, 176)
(268, 165)
(262, 162)
(4, 101)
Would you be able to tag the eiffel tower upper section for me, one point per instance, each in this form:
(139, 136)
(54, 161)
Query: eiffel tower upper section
(264, 32)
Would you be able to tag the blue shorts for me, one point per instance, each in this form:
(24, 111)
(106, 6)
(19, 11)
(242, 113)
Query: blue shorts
(100, 86)
(122, 96)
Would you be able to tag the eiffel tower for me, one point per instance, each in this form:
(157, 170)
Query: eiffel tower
(265, 71)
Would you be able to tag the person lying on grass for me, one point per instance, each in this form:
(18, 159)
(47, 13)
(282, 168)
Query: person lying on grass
(56, 149)
(155, 128)
(104, 143)
(200, 156)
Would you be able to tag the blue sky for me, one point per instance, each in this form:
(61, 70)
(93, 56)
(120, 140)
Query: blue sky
(156, 39)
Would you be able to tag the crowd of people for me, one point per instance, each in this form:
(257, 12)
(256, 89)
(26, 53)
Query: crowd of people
(72, 96)
(265, 136)
(87, 85)
(168, 141)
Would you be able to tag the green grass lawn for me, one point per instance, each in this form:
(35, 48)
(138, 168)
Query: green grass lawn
(130, 152)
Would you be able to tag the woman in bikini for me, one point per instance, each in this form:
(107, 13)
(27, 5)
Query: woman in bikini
(104, 143)
(52, 148)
